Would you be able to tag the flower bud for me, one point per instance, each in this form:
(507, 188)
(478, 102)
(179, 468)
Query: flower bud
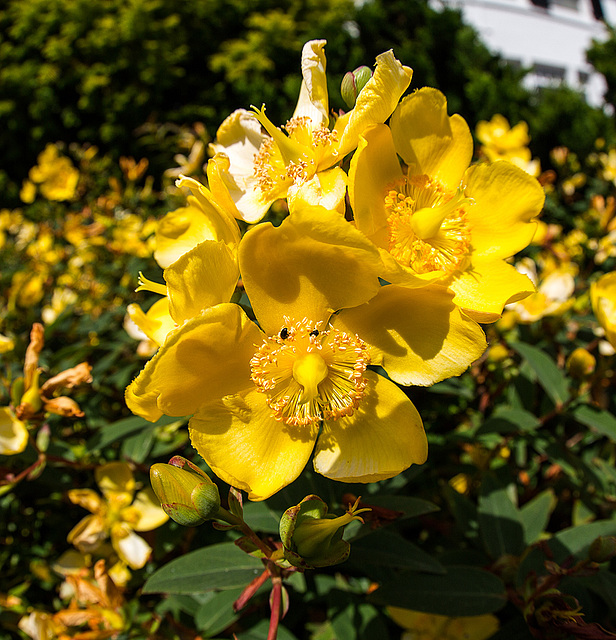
(581, 364)
(602, 549)
(352, 83)
(186, 493)
(312, 538)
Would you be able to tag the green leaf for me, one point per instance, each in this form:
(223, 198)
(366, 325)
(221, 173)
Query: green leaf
(549, 376)
(462, 591)
(261, 518)
(122, 428)
(575, 541)
(217, 613)
(260, 632)
(387, 550)
(138, 446)
(598, 419)
(509, 420)
(535, 515)
(219, 566)
(500, 524)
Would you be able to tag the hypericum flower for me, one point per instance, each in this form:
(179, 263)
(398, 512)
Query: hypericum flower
(442, 221)
(603, 299)
(197, 247)
(13, 433)
(553, 296)
(261, 394)
(430, 626)
(55, 176)
(257, 168)
(502, 142)
(117, 515)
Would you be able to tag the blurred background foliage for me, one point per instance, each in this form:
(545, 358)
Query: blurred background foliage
(106, 72)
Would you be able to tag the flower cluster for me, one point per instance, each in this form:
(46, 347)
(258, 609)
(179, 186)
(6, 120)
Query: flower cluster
(291, 340)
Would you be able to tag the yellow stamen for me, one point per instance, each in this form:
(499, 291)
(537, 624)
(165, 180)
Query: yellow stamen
(309, 375)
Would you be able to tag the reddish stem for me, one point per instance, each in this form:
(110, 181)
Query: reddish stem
(250, 590)
(275, 605)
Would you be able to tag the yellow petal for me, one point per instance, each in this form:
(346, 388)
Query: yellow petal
(116, 479)
(430, 141)
(506, 201)
(313, 100)
(382, 438)
(132, 548)
(374, 170)
(314, 263)
(246, 447)
(237, 188)
(326, 189)
(603, 299)
(203, 277)
(204, 359)
(418, 335)
(88, 534)
(156, 323)
(375, 102)
(181, 230)
(151, 515)
(13, 433)
(487, 286)
(86, 498)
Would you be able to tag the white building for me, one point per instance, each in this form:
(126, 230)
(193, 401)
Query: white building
(548, 36)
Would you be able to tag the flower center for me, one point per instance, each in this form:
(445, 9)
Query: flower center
(285, 160)
(310, 375)
(427, 226)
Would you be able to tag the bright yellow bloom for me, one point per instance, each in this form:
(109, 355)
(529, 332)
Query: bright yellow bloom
(502, 142)
(13, 433)
(553, 296)
(202, 219)
(603, 299)
(260, 393)
(117, 515)
(55, 176)
(430, 626)
(256, 168)
(443, 221)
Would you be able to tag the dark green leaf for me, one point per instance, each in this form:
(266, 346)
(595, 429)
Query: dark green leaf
(463, 591)
(137, 447)
(598, 419)
(509, 420)
(500, 524)
(260, 631)
(549, 376)
(261, 518)
(535, 515)
(217, 613)
(387, 550)
(122, 428)
(220, 566)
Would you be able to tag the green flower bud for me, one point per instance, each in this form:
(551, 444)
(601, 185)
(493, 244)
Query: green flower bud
(313, 538)
(352, 83)
(17, 391)
(187, 494)
(602, 549)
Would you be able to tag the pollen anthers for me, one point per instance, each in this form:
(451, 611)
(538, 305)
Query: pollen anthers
(310, 374)
(427, 226)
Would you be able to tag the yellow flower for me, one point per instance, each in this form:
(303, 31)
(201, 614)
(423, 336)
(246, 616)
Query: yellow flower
(117, 515)
(430, 626)
(202, 219)
(443, 221)
(603, 299)
(256, 168)
(260, 393)
(502, 142)
(553, 296)
(13, 433)
(55, 175)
